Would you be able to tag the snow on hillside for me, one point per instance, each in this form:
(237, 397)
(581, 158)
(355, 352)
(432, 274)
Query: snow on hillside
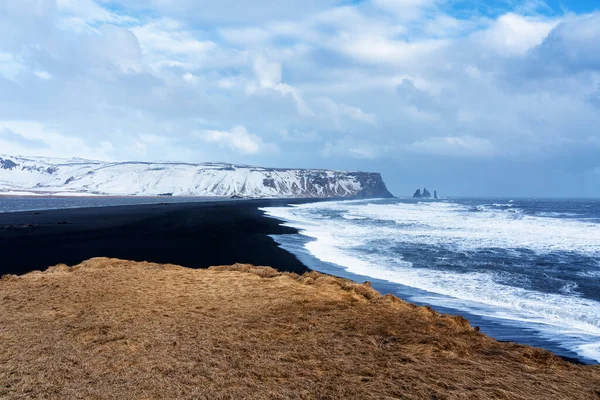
(78, 176)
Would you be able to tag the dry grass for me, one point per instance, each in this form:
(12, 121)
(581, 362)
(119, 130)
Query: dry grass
(111, 329)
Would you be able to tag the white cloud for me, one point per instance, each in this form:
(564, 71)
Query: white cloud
(299, 136)
(417, 97)
(571, 47)
(167, 43)
(269, 75)
(36, 138)
(240, 140)
(383, 50)
(117, 46)
(379, 79)
(154, 140)
(515, 34)
(457, 146)
(190, 78)
(446, 26)
(168, 36)
(357, 114)
(227, 83)
(340, 112)
(354, 148)
(43, 75)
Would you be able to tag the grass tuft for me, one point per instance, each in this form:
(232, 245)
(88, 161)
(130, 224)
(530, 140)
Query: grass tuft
(109, 329)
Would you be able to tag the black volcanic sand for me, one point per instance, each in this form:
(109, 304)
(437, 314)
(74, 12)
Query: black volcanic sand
(195, 235)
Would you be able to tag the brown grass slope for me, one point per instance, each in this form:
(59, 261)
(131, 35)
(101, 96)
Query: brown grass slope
(112, 329)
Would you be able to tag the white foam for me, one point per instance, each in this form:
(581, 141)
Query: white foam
(569, 288)
(590, 274)
(557, 214)
(453, 224)
(590, 350)
(337, 240)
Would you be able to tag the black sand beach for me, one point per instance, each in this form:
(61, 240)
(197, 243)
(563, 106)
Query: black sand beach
(195, 235)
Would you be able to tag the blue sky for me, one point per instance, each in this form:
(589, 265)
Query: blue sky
(466, 97)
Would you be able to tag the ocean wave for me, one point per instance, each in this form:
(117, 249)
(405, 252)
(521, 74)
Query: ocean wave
(495, 207)
(341, 241)
(557, 214)
(353, 217)
(569, 288)
(447, 224)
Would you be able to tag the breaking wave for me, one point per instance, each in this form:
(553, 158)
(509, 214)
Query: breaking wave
(519, 262)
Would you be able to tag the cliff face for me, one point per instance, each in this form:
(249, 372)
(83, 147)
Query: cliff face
(45, 175)
(117, 329)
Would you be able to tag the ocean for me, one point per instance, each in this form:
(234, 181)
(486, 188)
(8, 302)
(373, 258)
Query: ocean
(523, 270)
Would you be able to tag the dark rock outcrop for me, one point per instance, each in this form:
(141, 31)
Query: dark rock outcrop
(425, 194)
(372, 185)
(7, 164)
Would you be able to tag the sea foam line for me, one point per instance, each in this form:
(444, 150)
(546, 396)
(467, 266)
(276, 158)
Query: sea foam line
(335, 240)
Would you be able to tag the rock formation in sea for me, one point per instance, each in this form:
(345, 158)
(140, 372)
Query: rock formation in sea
(426, 194)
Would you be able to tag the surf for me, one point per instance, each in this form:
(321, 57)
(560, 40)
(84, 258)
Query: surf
(491, 262)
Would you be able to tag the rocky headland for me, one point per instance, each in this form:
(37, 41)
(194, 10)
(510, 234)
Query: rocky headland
(77, 177)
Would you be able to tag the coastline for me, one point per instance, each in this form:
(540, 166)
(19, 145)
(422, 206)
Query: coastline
(317, 256)
(191, 234)
(499, 331)
(194, 235)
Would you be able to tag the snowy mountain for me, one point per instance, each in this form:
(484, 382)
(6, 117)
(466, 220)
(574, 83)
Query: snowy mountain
(37, 175)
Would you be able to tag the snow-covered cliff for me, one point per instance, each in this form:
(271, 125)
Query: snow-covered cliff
(79, 176)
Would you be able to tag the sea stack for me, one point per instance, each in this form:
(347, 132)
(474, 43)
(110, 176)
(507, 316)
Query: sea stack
(426, 194)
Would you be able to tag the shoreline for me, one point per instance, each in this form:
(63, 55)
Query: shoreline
(504, 330)
(194, 235)
(500, 332)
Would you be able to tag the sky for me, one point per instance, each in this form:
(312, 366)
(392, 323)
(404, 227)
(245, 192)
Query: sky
(471, 98)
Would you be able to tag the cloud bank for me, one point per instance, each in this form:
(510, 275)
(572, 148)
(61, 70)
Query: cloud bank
(404, 87)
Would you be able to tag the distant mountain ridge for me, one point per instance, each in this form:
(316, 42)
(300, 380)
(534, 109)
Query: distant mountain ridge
(40, 175)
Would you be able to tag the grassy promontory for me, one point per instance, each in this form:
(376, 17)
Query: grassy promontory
(112, 329)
